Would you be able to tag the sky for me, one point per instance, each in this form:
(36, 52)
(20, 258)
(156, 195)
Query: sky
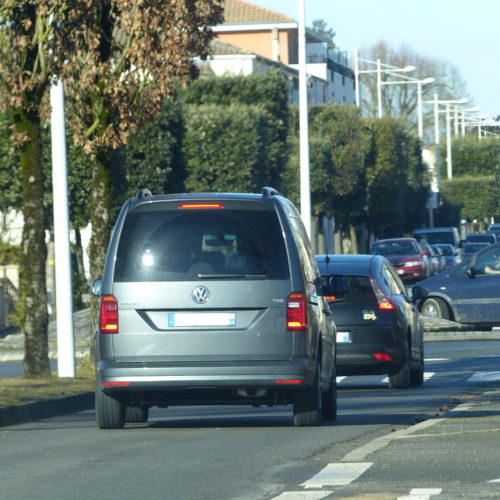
(462, 33)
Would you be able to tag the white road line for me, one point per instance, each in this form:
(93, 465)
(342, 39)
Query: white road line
(494, 481)
(427, 376)
(337, 474)
(431, 360)
(484, 377)
(421, 493)
(302, 495)
(339, 379)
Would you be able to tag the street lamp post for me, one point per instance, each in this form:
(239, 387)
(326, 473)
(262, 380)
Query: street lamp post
(419, 83)
(379, 69)
(447, 103)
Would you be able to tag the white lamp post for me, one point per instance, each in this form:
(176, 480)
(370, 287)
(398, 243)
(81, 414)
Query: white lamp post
(305, 189)
(447, 103)
(419, 84)
(379, 69)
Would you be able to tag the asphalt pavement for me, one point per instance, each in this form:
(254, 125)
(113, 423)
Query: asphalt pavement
(12, 349)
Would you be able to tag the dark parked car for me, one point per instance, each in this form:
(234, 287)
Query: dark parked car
(379, 330)
(471, 248)
(438, 258)
(495, 228)
(212, 299)
(405, 255)
(481, 238)
(468, 293)
(450, 253)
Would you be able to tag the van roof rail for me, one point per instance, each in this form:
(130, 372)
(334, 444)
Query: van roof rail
(142, 193)
(269, 191)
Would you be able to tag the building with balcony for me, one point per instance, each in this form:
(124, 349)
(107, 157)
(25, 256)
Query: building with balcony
(258, 39)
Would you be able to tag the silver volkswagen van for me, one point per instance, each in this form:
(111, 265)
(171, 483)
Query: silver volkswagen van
(212, 299)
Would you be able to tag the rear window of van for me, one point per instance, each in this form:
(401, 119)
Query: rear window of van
(172, 245)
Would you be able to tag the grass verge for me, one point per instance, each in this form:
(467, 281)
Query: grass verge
(19, 390)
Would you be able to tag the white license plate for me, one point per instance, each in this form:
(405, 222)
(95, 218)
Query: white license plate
(201, 319)
(343, 337)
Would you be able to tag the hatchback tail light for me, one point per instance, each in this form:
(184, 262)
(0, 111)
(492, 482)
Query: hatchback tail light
(108, 318)
(384, 303)
(296, 314)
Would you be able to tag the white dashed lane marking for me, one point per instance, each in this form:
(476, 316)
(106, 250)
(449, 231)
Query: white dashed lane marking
(421, 494)
(484, 377)
(337, 474)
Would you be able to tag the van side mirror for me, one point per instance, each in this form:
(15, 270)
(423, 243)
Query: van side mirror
(97, 287)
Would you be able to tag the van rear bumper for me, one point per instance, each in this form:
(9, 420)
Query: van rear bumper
(250, 384)
(130, 376)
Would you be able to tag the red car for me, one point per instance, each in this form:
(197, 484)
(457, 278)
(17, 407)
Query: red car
(405, 255)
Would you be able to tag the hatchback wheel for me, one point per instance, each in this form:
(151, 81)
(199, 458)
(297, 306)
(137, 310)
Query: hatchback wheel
(435, 308)
(401, 379)
(137, 414)
(110, 412)
(307, 409)
(417, 374)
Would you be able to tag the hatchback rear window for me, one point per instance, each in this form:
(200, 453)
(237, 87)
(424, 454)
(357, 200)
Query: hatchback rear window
(360, 290)
(173, 245)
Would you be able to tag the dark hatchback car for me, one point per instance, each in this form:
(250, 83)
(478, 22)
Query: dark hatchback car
(406, 255)
(468, 293)
(379, 330)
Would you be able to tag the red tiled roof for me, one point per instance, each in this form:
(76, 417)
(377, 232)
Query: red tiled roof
(239, 12)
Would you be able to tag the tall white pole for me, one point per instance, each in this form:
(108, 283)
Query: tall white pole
(64, 296)
(305, 189)
(436, 141)
(379, 89)
(448, 142)
(419, 111)
(356, 78)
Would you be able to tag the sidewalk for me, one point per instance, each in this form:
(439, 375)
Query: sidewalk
(12, 345)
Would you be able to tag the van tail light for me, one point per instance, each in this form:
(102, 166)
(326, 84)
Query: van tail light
(384, 303)
(296, 314)
(108, 317)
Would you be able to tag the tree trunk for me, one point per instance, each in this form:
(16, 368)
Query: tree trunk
(354, 239)
(34, 250)
(100, 220)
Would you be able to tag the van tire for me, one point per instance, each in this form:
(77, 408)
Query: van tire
(110, 411)
(307, 405)
(329, 401)
(137, 414)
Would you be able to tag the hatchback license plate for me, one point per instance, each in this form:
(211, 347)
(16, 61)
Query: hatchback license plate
(201, 319)
(343, 337)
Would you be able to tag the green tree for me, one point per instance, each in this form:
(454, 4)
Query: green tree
(27, 64)
(394, 175)
(269, 91)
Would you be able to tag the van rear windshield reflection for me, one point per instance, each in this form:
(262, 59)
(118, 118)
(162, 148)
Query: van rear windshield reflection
(169, 246)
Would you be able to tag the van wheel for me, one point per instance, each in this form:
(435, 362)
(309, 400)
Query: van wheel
(435, 308)
(307, 404)
(329, 401)
(137, 414)
(110, 412)
(401, 379)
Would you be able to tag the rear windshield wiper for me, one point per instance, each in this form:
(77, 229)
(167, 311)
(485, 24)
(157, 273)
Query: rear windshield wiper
(232, 276)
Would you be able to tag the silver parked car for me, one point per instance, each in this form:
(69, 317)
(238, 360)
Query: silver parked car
(212, 299)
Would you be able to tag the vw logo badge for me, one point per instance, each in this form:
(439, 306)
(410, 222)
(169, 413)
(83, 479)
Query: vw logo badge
(201, 294)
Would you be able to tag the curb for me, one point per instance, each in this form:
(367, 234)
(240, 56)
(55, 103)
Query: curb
(45, 408)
